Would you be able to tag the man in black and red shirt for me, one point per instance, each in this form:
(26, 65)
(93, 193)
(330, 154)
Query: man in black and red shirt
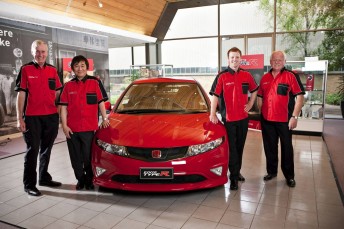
(38, 85)
(80, 100)
(276, 100)
(230, 91)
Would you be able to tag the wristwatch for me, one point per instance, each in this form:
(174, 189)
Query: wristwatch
(104, 119)
(295, 117)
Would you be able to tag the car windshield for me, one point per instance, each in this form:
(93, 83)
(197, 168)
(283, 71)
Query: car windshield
(163, 97)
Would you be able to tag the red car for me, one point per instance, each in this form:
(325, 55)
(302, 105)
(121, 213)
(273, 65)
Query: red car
(160, 139)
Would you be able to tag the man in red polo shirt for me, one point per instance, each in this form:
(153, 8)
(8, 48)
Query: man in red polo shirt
(38, 85)
(276, 100)
(80, 99)
(230, 91)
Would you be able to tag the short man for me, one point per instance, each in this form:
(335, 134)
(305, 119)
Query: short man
(230, 91)
(38, 86)
(276, 101)
(81, 100)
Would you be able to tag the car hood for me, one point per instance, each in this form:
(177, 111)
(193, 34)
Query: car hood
(163, 130)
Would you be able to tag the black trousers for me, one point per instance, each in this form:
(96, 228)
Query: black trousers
(41, 132)
(236, 132)
(79, 147)
(272, 132)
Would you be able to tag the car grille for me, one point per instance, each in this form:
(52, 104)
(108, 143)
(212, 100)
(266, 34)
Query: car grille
(166, 154)
(176, 180)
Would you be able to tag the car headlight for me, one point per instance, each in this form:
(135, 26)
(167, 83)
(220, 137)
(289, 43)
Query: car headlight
(202, 148)
(113, 149)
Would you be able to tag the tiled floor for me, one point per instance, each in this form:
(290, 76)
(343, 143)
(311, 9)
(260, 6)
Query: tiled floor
(314, 202)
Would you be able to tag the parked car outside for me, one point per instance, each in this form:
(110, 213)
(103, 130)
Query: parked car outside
(160, 139)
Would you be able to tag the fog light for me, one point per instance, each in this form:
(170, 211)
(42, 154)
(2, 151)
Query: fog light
(99, 171)
(217, 170)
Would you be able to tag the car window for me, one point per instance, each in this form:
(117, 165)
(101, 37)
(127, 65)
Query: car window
(163, 97)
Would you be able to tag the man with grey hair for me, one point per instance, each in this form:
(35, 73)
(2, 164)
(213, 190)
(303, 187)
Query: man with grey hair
(280, 99)
(38, 86)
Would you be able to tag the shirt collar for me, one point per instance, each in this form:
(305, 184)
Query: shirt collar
(83, 79)
(37, 65)
(231, 71)
(282, 70)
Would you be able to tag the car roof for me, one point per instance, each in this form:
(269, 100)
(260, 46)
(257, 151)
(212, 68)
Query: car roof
(165, 80)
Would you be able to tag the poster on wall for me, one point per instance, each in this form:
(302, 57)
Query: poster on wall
(255, 65)
(93, 47)
(15, 48)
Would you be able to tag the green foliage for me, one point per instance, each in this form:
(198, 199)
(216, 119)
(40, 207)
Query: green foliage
(309, 15)
(333, 99)
(341, 87)
(135, 74)
(332, 49)
(336, 98)
(294, 15)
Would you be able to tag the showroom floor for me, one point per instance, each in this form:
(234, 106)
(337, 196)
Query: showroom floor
(314, 203)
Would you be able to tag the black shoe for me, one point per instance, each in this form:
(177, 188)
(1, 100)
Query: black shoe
(50, 183)
(241, 178)
(270, 176)
(79, 186)
(234, 185)
(89, 186)
(33, 191)
(291, 183)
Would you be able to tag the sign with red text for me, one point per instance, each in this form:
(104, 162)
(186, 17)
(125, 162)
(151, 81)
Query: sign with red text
(252, 61)
(255, 65)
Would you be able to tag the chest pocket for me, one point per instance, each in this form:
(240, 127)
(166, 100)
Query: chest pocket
(244, 88)
(91, 98)
(282, 89)
(52, 83)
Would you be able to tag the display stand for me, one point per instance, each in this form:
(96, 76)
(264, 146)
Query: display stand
(313, 75)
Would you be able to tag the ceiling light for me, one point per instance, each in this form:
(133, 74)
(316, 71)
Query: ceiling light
(100, 4)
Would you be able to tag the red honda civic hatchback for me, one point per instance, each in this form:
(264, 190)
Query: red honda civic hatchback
(160, 139)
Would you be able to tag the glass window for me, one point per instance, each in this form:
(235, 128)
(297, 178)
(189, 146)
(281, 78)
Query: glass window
(260, 45)
(190, 52)
(297, 46)
(242, 18)
(194, 22)
(120, 58)
(66, 54)
(139, 55)
(228, 43)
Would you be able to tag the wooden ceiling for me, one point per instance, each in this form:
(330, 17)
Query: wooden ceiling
(146, 17)
(139, 16)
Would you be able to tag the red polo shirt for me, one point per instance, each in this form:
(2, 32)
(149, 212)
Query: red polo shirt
(234, 87)
(40, 85)
(82, 99)
(278, 95)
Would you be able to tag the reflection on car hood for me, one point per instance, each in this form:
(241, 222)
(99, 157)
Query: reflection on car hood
(172, 130)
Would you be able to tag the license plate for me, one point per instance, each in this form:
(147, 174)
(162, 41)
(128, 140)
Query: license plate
(156, 173)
